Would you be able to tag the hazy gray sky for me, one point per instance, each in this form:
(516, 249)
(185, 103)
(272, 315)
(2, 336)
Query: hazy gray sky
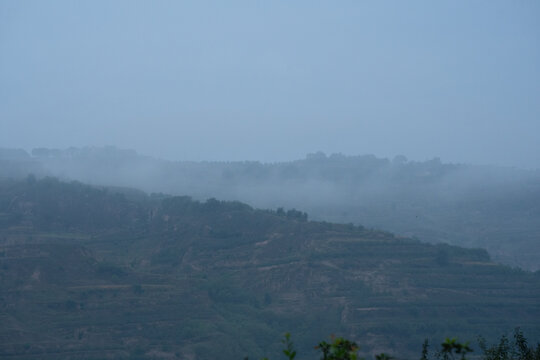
(274, 80)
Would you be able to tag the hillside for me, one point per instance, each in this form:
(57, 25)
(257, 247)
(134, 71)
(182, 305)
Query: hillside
(472, 206)
(93, 273)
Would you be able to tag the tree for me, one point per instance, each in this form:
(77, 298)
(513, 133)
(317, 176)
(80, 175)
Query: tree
(339, 349)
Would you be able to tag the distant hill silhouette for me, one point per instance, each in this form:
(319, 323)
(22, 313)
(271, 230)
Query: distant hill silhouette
(473, 206)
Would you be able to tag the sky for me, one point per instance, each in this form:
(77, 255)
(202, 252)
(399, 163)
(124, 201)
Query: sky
(275, 80)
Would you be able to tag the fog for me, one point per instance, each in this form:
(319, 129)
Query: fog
(388, 154)
(273, 81)
(496, 208)
(225, 101)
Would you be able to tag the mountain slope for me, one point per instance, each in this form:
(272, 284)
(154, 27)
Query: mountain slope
(91, 273)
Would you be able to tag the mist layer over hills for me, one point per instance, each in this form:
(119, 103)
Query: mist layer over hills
(474, 206)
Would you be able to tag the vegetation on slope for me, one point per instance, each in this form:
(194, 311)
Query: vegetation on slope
(93, 273)
(451, 349)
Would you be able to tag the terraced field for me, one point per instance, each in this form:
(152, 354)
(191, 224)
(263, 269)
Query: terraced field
(86, 273)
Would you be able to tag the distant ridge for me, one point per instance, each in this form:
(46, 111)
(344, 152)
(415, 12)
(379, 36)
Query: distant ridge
(496, 208)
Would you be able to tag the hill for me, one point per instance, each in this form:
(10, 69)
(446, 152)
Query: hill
(93, 273)
(472, 206)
